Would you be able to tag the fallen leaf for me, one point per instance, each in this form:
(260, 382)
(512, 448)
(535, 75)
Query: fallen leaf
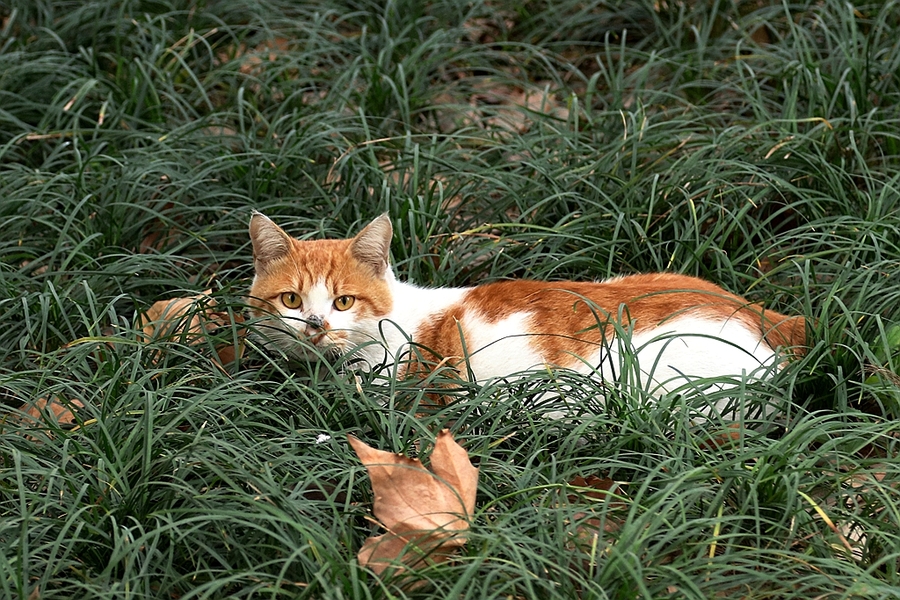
(157, 235)
(42, 412)
(189, 319)
(488, 30)
(251, 60)
(498, 106)
(426, 513)
(590, 523)
(725, 438)
(593, 487)
(53, 409)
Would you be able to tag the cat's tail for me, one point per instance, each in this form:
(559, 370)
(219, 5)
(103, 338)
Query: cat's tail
(782, 331)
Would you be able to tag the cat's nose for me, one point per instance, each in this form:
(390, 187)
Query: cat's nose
(315, 322)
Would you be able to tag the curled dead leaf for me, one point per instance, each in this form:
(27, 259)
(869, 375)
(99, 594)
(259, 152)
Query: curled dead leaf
(426, 513)
(725, 438)
(254, 61)
(53, 408)
(189, 319)
(593, 486)
(43, 412)
(499, 106)
(593, 523)
(251, 60)
(157, 234)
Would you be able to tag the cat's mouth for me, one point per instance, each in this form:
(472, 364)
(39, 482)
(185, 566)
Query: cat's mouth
(319, 339)
(324, 344)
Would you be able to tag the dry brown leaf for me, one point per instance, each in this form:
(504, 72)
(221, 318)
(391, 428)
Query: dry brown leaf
(168, 318)
(43, 411)
(726, 438)
(426, 513)
(488, 30)
(595, 487)
(156, 234)
(251, 59)
(53, 408)
(499, 106)
(36, 272)
(589, 526)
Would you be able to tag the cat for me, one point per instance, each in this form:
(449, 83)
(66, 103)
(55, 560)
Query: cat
(340, 296)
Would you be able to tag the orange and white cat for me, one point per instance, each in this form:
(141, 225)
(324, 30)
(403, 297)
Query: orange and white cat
(341, 296)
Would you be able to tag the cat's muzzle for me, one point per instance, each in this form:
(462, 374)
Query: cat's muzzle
(316, 330)
(315, 322)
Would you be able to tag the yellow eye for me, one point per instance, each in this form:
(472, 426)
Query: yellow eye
(344, 302)
(291, 299)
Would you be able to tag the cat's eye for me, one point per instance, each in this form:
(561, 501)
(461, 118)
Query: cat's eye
(291, 299)
(344, 302)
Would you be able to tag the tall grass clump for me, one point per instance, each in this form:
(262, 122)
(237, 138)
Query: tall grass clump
(755, 144)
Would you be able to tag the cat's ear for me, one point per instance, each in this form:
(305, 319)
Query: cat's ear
(372, 245)
(270, 242)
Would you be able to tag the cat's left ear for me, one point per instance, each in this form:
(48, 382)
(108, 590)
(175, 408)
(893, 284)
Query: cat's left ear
(270, 242)
(372, 245)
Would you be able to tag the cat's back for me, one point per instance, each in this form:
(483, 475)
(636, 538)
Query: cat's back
(523, 323)
(644, 299)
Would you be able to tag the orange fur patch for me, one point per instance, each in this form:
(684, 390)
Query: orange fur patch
(572, 319)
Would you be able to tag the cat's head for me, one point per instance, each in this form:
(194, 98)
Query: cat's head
(323, 294)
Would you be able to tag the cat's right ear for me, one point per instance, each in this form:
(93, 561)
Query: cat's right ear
(372, 245)
(270, 242)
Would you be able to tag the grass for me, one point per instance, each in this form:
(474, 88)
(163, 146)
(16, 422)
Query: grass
(756, 144)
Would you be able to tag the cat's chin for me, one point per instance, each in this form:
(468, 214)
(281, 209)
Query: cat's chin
(305, 351)
(316, 347)
(301, 347)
